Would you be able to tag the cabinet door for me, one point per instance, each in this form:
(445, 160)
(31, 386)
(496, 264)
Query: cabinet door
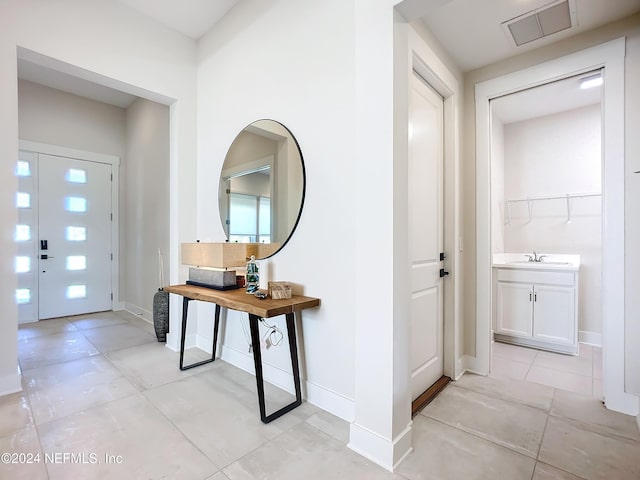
(514, 309)
(554, 318)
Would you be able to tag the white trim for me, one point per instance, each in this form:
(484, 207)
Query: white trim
(472, 365)
(11, 383)
(326, 399)
(114, 161)
(58, 151)
(590, 338)
(330, 401)
(426, 62)
(387, 454)
(248, 167)
(271, 373)
(138, 311)
(609, 55)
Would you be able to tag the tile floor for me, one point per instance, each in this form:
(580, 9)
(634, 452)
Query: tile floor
(102, 399)
(579, 374)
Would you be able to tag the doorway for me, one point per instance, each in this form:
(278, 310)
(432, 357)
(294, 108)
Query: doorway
(609, 56)
(66, 232)
(546, 177)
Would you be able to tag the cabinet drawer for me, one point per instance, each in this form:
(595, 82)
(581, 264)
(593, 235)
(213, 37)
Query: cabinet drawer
(530, 276)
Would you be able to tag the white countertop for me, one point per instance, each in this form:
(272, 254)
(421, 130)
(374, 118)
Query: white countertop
(550, 261)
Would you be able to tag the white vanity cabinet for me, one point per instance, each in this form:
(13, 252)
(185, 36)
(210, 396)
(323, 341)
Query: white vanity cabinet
(537, 307)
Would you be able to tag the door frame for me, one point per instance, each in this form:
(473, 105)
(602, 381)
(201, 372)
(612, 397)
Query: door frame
(423, 60)
(610, 56)
(114, 161)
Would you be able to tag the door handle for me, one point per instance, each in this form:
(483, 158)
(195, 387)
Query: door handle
(443, 273)
(45, 257)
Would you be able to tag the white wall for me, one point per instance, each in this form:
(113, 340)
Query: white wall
(629, 27)
(144, 204)
(335, 93)
(47, 115)
(233, 94)
(99, 40)
(551, 155)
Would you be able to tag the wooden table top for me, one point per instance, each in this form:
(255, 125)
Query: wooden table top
(243, 302)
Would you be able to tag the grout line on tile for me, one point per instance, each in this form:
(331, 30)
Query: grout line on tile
(487, 439)
(544, 431)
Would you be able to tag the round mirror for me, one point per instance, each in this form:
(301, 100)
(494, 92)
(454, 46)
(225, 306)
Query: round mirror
(262, 187)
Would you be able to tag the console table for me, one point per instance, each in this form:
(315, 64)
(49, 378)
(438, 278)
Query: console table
(257, 309)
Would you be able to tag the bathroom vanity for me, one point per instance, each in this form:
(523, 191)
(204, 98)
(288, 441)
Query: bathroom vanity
(536, 303)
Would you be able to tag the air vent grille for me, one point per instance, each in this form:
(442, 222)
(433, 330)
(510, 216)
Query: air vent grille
(545, 21)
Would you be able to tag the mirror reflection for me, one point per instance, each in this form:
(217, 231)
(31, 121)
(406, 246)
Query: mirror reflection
(262, 187)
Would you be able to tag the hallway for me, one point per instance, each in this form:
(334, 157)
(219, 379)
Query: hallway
(101, 387)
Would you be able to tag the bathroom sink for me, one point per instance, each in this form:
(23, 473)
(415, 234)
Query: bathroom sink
(551, 262)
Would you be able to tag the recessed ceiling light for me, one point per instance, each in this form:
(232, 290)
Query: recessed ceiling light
(591, 81)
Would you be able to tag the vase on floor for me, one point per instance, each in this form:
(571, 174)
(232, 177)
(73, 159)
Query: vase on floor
(161, 314)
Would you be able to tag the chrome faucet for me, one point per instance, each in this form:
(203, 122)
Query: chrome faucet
(535, 257)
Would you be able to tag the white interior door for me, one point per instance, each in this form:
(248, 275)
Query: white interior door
(425, 234)
(74, 228)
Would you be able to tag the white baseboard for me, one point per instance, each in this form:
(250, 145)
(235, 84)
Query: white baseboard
(324, 398)
(382, 451)
(472, 365)
(138, 311)
(11, 383)
(272, 374)
(330, 401)
(173, 341)
(590, 338)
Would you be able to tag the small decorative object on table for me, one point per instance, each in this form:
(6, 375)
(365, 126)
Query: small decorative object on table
(252, 277)
(279, 290)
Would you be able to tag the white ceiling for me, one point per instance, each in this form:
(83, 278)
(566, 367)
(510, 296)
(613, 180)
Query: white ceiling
(470, 31)
(545, 100)
(49, 77)
(192, 18)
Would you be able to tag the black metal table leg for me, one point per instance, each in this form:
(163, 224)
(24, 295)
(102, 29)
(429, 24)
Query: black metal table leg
(257, 360)
(185, 311)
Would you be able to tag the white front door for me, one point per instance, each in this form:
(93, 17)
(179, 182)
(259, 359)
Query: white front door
(425, 234)
(71, 236)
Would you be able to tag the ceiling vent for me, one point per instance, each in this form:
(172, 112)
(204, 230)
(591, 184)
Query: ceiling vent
(552, 18)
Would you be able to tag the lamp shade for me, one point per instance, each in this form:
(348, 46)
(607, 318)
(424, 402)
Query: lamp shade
(216, 255)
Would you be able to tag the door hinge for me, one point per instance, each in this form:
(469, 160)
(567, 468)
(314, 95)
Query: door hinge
(112, 257)
(112, 296)
(112, 177)
(112, 217)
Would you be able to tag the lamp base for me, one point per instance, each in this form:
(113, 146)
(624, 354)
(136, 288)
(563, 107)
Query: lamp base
(212, 277)
(213, 287)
